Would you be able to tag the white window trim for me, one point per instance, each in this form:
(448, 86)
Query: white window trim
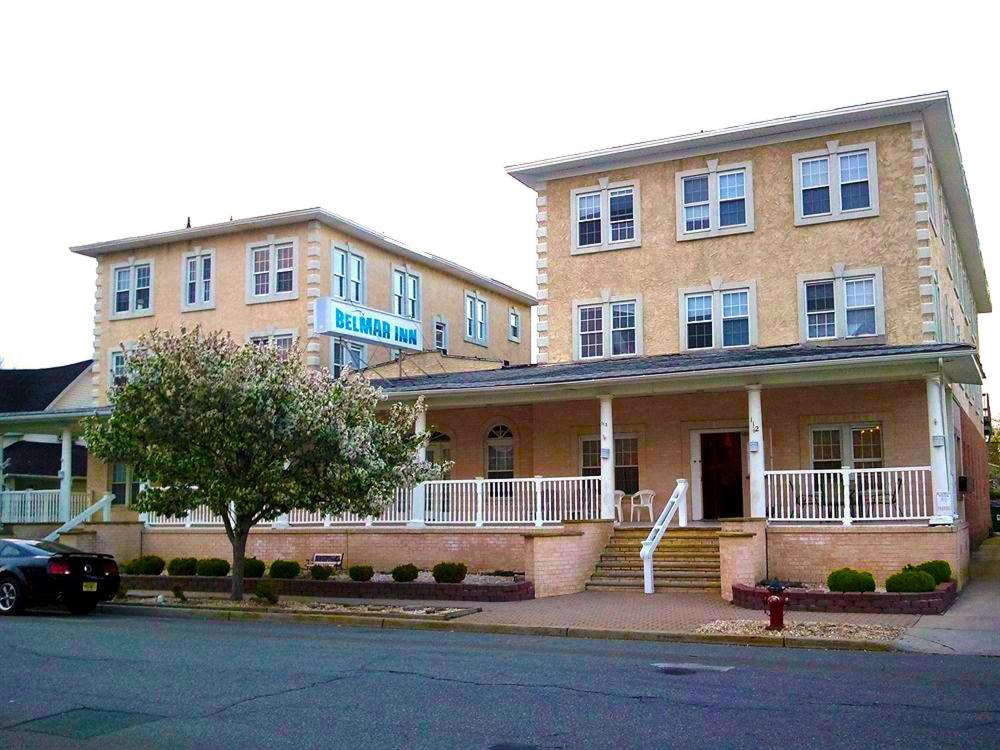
(520, 325)
(273, 296)
(605, 303)
(713, 169)
(131, 263)
(405, 269)
(440, 319)
(125, 348)
(832, 150)
(333, 352)
(617, 436)
(273, 333)
(476, 297)
(716, 287)
(846, 443)
(348, 249)
(838, 276)
(603, 187)
(198, 252)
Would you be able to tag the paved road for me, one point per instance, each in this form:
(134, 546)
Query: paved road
(189, 684)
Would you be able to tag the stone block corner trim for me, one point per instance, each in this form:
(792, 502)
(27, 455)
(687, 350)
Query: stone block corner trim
(877, 602)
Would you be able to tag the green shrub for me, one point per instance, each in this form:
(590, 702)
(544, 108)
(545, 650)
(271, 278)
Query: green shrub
(284, 569)
(212, 566)
(122, 592)
(183, 566)
(253, 568)
(850, 580)
(361, 572)
(939, 570)
(267, 591)
(910, 581)
(447, 572)
(405, 573)
(178, 592)
(320, 572)
(146, 565)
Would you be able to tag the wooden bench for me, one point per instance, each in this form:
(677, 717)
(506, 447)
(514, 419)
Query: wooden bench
(330, 559)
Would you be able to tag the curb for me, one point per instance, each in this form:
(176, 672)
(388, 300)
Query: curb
(456, 626)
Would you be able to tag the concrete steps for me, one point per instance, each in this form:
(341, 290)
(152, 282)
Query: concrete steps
(685, 560)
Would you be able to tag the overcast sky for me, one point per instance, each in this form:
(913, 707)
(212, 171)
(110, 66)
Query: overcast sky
(120, 119)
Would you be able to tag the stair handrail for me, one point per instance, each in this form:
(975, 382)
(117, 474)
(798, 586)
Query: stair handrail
(103, 504)
(677, 504)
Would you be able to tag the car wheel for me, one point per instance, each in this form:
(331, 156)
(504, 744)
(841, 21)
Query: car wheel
(10, 597)
(81, 606)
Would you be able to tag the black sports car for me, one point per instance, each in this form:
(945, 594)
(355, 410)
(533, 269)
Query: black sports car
(40, 572)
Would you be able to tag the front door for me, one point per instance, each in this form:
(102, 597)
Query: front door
(721, 475)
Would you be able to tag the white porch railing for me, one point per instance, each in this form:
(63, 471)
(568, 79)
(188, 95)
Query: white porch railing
(468, 502)
(676, 504)
(849, 495)
(39, 506)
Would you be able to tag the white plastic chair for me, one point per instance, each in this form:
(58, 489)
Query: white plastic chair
(619, 512)
(643, 500)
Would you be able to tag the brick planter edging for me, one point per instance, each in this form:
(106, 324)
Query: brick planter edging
(876, 602)
(464, 592)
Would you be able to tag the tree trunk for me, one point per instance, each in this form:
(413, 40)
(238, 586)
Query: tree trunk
(239, 541)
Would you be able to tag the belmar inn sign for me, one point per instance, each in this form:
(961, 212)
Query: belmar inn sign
(352, 322)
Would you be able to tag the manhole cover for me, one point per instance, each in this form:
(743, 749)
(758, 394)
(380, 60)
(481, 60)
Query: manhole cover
(84, 723)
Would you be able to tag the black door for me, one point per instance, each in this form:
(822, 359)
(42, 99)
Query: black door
(721, 475)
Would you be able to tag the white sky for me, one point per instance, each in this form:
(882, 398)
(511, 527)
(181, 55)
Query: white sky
(119, 119)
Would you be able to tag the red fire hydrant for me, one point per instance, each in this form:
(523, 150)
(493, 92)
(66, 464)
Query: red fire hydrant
(774, 606)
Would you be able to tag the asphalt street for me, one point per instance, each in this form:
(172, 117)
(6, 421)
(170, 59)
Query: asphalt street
(117, 681)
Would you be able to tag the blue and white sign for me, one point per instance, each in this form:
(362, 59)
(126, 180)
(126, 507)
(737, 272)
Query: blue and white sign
(352, 322)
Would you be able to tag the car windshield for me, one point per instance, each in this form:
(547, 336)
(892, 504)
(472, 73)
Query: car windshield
(52, 547)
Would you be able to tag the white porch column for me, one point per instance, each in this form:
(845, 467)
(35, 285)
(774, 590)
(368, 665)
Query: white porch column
(418, 515)
(3, 447)
(944, 510)
(65, 475)
(755, 452)
(607, 460)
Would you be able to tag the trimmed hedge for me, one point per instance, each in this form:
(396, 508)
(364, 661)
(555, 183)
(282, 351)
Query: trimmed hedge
(361, 572)
(939, 570)
(450, 572)
(846, 580)
(213, 566)
(267, 591)
(284, 569)
(183, 566)
(405, 573)
(146, 565)
(253, 568)
(910, 581)
(320, 572)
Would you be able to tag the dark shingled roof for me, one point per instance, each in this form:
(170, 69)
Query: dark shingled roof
(42, 459)
(34, 390)
(661, 364)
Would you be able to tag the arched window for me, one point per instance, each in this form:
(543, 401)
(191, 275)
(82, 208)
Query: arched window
(439, 451)
(500, 453)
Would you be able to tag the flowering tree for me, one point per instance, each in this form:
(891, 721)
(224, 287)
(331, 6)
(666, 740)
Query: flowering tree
(252, 434)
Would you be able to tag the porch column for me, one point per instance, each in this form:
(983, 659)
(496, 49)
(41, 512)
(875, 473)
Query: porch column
(607, 460)
(65, 475)
(755, 452)
(418, 515)
(3, 447)
(943, 509)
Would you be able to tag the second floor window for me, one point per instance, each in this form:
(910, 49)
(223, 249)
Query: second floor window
(821, 316)
(608, 329)
(699, 321)
(720, 317)
(272, 271)
(476, 321)
(198, 282)
(846, 305)
(133, 289)
(514, 325)
(441, 336)
(347, 354)
(405, 294)
(348, 275)
(283, 342)
(591, 332)
(622, 328)
(119, 370)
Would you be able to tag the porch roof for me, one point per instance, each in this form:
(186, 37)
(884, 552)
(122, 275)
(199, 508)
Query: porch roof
(34, 390)
(697, 369)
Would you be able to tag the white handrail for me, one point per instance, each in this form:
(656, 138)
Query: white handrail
(676, 504)
(103, 504)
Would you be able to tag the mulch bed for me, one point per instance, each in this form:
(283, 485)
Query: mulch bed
(875, 602)
(466, 592)
(836, 630)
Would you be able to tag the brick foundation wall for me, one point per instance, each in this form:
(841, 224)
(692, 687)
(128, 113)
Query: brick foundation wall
(810, 553)
(976, 469)
(930, 603)
(563, 564)
(742, 553)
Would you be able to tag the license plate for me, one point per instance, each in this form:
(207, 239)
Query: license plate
(90, 586)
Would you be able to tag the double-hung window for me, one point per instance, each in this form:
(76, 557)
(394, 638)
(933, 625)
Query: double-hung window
(199, 287)
(626, 461)
(612, 328)
(405, 293)
(348, 275)
(119, 368)
(271, 271)
(844, 305)
(835, 183)
(476, 320)
(283, 342)
(605, 217)
(514, 325)
(840, 446)
(133, 287)
(441, 335)
(125, 484)
(715, 200)
(718, 315)
(347, 354)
